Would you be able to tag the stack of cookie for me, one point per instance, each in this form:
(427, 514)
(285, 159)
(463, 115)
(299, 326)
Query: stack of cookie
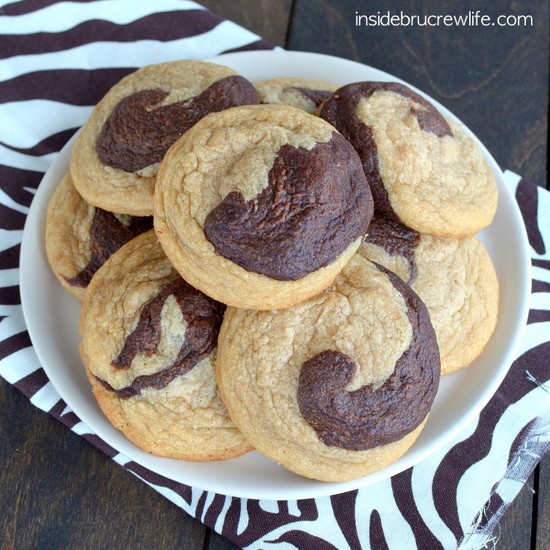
(433, 193)
(313, 256)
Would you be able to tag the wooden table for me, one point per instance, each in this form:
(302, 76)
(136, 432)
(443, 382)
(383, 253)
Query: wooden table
(58, 492)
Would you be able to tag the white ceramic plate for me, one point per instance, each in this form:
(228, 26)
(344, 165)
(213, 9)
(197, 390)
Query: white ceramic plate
(52, 317)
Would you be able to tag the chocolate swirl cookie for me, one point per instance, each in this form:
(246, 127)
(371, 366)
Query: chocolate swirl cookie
(115, 159)
(148, 345)
(81, 237)
(424, 171)
(302, 93)
(337, 386)
(261, 206)
(454, 277)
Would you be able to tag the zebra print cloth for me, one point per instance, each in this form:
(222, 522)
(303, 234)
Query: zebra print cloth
(58, 59)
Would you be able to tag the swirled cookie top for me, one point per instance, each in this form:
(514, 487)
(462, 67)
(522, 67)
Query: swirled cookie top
(81, 237)
(304, 93)
(166, 102)
(399, 243)
(423, 170)
(155, 328)
(369, 416)
(456, 280)
(107, 233)
(358, 363)
(275, 190)
(175, 331)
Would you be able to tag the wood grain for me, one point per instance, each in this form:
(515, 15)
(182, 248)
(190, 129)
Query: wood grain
(267, 18)
(495, 79)
(541, 536)
(514, 530)
(59, 492)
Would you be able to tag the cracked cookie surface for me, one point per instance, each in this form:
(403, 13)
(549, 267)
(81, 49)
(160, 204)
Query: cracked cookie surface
(116, 156)
(337, 386)
(81, 237)
(261, 206)
(303, 93)
(456, 280)
(424, 171)
(148, 344)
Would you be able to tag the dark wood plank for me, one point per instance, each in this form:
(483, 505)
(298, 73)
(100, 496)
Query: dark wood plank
(494, 78)
(514, 529)
(217, 542)
(59, 492)
(267, 18)
(543, 505)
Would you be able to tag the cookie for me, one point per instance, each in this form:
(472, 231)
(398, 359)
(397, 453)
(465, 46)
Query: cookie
(335, 387)
(81, 237)
(302, 93)
(115, 158)
(148, 345)
(424, 171)
(454, 277)
(261, 206)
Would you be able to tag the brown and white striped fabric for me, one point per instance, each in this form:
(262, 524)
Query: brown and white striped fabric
(57, 60)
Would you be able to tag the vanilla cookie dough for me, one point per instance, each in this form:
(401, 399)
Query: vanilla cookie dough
(337, 386)
(261, 206)
(116, 156)
(80, 237)
(424, 171)
(148, 344)
(302, 93)
(454, 277)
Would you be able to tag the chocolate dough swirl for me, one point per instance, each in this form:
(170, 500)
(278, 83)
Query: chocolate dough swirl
(317, 202)
(396, 239)
(203, 316)
(140, 130)
(341, 111)
(107, 235)
(317, 96)
(366, 418)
